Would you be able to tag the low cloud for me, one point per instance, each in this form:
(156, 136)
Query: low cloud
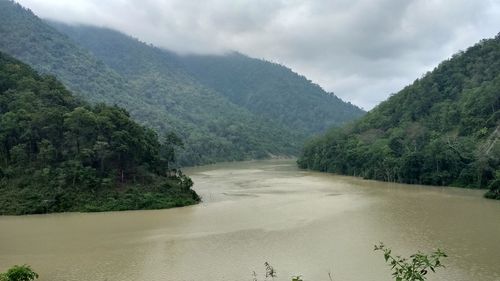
(361, 50)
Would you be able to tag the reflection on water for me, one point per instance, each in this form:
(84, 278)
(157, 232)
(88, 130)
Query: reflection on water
(301, 222)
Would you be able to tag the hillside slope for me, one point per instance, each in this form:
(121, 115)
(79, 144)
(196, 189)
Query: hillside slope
(273, 91)
(235, 133)
(266, 89)
(59, 154)
(441, 130)
(156, 94)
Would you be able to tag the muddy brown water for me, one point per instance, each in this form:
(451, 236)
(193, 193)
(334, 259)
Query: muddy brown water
(303, 223)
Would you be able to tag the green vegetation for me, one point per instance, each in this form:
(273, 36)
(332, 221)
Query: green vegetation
(60, 154)
(272, 90)
(31, 40)
(105, 66)
(414, 268)
(19, 273)
(494, 188)
(211, 127)
(441, 130)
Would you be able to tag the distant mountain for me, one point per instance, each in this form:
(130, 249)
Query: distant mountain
(25, 36)
(273, 91)
(265, 89)
(161, 91)
(60, 154)
(213, 128)
(444, 129)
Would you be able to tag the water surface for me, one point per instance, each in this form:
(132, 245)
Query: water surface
(301, 222)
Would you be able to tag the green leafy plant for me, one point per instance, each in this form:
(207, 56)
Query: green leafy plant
(19, 273)
(414, 268)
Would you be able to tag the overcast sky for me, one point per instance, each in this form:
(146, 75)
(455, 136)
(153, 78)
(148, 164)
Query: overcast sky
(361, 50)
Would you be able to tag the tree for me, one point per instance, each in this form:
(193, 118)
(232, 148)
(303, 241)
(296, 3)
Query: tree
(81, 125)
(167, 150)
(440, 130)
(62, 154)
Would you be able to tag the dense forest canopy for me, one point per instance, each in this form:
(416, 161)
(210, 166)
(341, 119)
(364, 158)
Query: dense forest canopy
(261, 87)
(58, 153)
(213, 128)
(154, 85)
(441, 130)
(272, 90)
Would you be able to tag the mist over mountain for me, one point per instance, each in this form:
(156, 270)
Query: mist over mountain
(248, 117)
(162, 92)
(267, 89)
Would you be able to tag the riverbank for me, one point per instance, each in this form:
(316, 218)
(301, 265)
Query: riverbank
(302, 222)
(162, 193)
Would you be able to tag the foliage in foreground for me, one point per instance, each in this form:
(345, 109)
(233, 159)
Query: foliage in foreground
(414, 268)
(60, 154)
(444, 129)
(19, 273)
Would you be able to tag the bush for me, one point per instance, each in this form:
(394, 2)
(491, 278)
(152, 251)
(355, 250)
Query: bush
(19, 273)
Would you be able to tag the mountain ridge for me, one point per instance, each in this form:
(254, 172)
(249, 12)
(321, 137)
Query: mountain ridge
(430, 132)
(321, 103)
(157, 92)
(248, 81)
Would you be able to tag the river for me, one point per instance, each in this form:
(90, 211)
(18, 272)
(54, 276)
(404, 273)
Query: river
(301, 222)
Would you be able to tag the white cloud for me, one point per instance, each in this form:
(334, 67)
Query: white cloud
(361, 50)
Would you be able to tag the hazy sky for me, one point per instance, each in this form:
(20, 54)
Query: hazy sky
(361, 50)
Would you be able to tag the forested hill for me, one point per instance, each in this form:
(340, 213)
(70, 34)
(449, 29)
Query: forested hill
(28, 38)
(441, 130)
(273, 91)
(212, 128)
(266, 89)
(61, 154)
